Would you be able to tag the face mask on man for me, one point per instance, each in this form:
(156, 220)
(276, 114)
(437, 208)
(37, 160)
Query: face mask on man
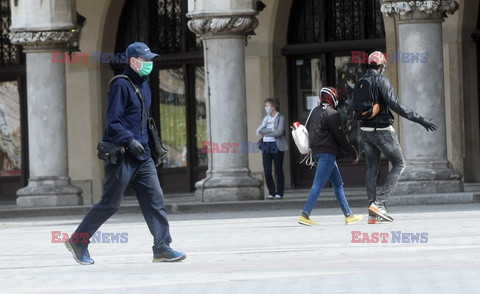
(145, 67)
(384, 68)
(268, 110)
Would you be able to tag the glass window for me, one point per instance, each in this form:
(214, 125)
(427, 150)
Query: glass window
(10, 135)
(173, 126)
(346, 75)
(200, 114)
(311, 78)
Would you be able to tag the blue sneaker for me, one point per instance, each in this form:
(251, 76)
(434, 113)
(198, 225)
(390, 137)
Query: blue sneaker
(169, 255)
(80, 254)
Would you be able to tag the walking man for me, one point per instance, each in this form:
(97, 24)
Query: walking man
(378, 136)
(126, 128)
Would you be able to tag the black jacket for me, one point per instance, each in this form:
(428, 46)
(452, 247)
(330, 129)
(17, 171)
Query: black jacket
(325, 132)
(388, 99)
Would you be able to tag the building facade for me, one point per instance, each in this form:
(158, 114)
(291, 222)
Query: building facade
(211, 80)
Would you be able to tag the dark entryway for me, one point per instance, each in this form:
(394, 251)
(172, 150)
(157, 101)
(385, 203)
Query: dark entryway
(322, 38)
(13, 115)
(476, 38)
(177, 84)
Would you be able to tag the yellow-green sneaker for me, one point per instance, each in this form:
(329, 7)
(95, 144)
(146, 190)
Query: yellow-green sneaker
(305, 220)
(351, 219)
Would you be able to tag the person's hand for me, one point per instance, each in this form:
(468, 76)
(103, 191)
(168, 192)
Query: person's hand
(428, 125)
(356, 160)
(136, 148)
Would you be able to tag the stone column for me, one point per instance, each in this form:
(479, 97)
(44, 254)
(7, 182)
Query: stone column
(421, 87)
(223, 27)
(42, 27)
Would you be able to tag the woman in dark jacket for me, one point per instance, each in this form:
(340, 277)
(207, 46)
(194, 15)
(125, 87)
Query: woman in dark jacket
(327, 140)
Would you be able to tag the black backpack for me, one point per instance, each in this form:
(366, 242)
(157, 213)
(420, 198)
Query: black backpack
(365, 102)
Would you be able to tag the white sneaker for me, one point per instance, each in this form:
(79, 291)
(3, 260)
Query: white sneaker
(270, 197)
(380, 210)
(278, 197)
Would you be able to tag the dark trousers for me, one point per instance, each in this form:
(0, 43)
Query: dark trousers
(270, 153)
(375, 143)
(144, 180)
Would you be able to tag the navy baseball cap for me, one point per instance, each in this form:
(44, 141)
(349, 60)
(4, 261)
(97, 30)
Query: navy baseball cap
(139, 49)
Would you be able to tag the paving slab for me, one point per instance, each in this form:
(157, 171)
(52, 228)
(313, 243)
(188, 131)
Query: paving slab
(428, 249)
(292, 200)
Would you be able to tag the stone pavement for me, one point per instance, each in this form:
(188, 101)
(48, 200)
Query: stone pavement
(253, 252)
(293, 199)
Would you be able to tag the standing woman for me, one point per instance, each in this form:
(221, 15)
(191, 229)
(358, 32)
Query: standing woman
(327, 140)
(273, 145)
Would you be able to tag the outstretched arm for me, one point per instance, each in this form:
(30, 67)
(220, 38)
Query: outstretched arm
(388, 94)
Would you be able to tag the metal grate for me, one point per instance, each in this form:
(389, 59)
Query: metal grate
(170, 26)
(314, 21)
(305, 22)
(374, 20)
(160, 23)
(8, 52)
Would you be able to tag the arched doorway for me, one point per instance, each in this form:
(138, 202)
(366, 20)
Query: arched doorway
(476, 38)
(13, 115)
(327, 42)
(177, 84)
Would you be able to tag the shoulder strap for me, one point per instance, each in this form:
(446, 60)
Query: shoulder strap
(309, 115)
(137, 92)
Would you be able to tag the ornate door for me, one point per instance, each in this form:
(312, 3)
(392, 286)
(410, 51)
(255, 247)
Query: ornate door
(13, 130)
(325, 39)
(177, 84)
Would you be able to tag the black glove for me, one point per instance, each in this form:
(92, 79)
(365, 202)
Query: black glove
(136, 148)
(427, 124)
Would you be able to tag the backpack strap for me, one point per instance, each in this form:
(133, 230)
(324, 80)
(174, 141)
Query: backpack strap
(309, 115)
(139, 95)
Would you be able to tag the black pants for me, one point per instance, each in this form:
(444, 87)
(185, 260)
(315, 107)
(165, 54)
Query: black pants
(270, 153)
(144, 180)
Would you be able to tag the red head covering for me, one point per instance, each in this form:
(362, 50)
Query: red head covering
(377, 58)
(329, 95)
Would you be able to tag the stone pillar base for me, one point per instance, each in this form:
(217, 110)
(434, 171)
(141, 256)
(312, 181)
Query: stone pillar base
(427, 178)
(235, 186)
(49, 192)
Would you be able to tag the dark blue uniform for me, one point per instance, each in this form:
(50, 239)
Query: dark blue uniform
(124, 112)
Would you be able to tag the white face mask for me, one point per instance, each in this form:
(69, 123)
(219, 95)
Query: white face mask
(384, 68)
(268, 110)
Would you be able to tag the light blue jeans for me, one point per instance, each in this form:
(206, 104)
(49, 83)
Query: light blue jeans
(327, 169)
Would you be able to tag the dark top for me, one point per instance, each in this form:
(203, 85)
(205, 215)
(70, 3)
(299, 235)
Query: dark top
(387, 99)
(124, 112)
(325, 132)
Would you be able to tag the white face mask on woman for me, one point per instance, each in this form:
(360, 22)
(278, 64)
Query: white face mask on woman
(268, 110)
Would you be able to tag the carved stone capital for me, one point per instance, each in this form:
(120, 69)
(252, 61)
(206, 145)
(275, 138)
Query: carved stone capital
(419, 10)
(223, 26)
(45, 40)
